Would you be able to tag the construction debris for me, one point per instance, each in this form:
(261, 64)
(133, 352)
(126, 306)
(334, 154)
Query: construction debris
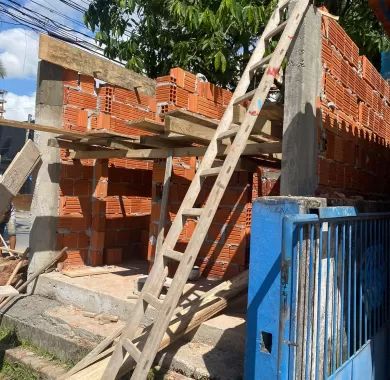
(17, 172)
(186, 318)
(22, 286)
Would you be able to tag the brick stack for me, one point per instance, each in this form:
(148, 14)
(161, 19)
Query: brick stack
(224, 252)
(355, 130)
(105, 205)
(181, 89)
(75, 210)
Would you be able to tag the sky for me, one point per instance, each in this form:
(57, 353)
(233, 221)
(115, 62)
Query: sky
(19, 52)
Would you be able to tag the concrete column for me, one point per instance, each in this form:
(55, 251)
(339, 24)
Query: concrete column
(44, 208)
(302, 88)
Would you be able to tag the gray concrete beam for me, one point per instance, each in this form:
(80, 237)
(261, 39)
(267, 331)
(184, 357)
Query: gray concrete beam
(44, 207)
(302, 87)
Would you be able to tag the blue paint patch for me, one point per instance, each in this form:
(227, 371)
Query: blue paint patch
(259, 104)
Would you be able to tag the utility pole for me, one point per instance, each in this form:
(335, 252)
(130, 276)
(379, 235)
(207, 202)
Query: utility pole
(2, 103)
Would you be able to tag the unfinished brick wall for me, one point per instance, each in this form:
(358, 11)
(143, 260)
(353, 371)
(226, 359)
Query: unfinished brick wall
(105, 205)
(354, 132)
(226, 247)
(110, 209)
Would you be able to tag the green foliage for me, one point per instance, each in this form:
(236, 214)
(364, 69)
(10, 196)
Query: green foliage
(14, 371)
(212, 37)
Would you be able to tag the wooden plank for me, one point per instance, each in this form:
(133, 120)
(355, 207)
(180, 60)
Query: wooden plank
(205, 134)
(39, 127)
(185, 320)
(66, 55)
(8, 291)
(17, 172)
(250, 150)
(160, 142)
(270, 111)
(164, 204)
(263, 124)
(88, 271)
(194, 118)
(101, 133)
(148, 125)
(66, 144)
(33, 276)
(188, 128)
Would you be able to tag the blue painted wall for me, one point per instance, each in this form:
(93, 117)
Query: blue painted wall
(264, 287)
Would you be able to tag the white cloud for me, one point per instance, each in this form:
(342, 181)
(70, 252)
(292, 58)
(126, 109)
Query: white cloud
(19, 52)
(19, 106)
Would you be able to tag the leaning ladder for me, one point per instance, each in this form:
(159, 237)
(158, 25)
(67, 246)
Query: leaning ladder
(144, 353)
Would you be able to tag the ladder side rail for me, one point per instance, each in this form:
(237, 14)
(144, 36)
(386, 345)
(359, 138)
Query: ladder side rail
(212, 150)
(151, 285)
(215, 196)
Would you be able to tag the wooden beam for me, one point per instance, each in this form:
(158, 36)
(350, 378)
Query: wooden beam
(160, 142)
(17, 172)
(188, 128)
(65, 144)
(250, 150)
(203, 134)
(194, 118)
(106, 133)
(66, 55)
(148, 125)
(164, 205)
(270, 111)
(263, 125)
(40, 128)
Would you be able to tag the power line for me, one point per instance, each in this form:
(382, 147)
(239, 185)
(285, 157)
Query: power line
(39, 22)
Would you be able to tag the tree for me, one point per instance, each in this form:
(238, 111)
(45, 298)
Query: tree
(212, 37)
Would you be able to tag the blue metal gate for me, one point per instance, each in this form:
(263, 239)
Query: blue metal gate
(334, 292)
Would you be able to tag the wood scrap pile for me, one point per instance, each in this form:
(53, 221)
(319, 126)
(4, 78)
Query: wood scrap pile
(11, 292)
(188, 316)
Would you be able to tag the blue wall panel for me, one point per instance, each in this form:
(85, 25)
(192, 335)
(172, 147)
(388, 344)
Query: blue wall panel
(264, 287)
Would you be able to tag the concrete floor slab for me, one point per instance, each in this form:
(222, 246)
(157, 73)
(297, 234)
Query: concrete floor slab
(107, 292)
(200, 361)
(63, 331)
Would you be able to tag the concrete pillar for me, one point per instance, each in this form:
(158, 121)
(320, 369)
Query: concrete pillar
(302, 88)
(44, 208)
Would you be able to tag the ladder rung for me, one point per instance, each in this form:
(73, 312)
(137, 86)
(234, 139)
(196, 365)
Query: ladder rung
(229, 133)
(174, 255)
(130, 347)
(151, 300)
(210, 172)
(246, 96)
(192, 212)
(260, 64)
(276, 31)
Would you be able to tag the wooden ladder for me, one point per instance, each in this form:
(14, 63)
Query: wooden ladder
(144, 353)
